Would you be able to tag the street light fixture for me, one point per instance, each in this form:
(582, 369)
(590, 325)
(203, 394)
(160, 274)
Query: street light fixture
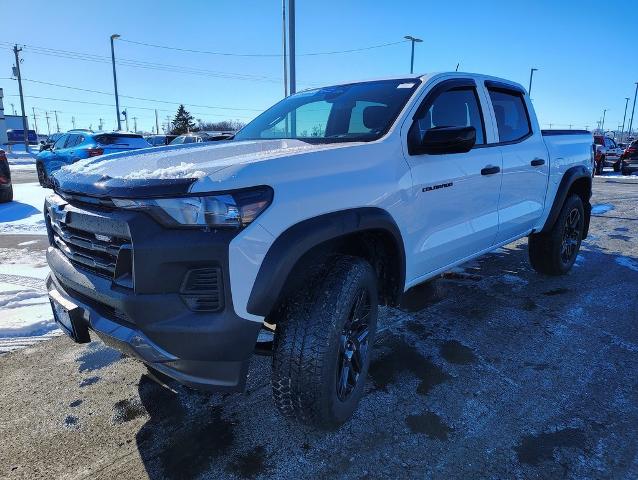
(531, 76)
(117, 100)
(631, 122)
(413, 40)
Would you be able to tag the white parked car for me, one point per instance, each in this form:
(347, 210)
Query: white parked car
(332, 201)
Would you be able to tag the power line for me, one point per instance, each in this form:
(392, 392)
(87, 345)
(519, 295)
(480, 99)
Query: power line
(112, 105)
(136, 98)
(278, 55)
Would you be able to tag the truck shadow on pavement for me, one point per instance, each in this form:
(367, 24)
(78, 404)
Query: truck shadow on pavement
(505, 373)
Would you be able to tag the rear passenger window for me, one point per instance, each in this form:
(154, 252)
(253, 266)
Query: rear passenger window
(71, 141)
(458, 107)
(511, 114)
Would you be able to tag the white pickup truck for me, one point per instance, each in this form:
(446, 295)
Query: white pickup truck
(329, 203)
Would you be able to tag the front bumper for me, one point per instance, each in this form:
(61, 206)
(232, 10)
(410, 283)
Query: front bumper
(150, 319)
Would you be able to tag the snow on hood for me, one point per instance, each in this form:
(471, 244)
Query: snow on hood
(186, 161)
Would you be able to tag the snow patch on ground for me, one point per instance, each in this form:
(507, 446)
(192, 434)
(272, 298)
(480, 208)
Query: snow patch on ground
(24, 214)
(628, 263)
(183, 170)
(601, 208)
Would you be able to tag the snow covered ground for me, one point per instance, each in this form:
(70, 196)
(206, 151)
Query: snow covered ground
(25, 312)
(24, 214)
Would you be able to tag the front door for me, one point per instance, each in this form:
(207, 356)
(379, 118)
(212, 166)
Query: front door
(455, 213)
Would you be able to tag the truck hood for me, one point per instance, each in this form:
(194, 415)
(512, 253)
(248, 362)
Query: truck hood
(171, 169)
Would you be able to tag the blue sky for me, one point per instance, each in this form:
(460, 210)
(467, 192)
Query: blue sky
(582, 50)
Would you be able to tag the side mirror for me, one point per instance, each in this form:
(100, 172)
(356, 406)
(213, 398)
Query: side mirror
(442, 140)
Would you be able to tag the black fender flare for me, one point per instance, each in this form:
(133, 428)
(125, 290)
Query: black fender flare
(289, 247)
(569, 177)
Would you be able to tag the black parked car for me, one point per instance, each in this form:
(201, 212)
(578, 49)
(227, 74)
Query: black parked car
(6, 189)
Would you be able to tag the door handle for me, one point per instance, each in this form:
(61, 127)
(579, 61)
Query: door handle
(537, 162)
(490, 170)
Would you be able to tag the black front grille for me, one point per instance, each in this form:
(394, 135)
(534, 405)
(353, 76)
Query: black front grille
(96, 252)
(202, 289)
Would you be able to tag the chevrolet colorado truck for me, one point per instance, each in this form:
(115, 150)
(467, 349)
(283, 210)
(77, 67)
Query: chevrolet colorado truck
(285, 239)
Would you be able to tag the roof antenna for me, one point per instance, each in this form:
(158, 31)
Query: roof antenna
(457, 67)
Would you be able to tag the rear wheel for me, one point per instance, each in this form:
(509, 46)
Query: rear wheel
(617, 166)
(554, 252)
(6, 195)
(323, 343)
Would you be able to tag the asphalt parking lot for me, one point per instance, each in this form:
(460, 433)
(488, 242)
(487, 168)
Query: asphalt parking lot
(497, 373)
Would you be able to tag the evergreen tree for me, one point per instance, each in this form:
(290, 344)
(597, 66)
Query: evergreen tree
(183, 122)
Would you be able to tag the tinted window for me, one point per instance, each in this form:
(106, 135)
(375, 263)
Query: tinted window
(598, 140)
(122, 140)
(325, 114)
(458, 107)
(59, 143)
(511, 115)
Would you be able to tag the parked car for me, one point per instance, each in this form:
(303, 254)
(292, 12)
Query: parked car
(17, 136)
(73, 146)
(199, 137)
(629, 162)
(308, 225)
(159, 140)
(607, 153)
(6, 188)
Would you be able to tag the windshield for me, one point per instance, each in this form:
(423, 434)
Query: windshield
(355, 112)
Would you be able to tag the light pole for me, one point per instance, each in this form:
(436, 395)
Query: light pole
(631, 122)
(531, 77)
(413, 40)
(602, 125)
(117, 100)
(622, 131)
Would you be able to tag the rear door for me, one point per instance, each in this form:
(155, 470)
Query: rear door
(525, 161)
(456, 195)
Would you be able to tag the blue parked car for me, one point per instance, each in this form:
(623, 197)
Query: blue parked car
(77, 145)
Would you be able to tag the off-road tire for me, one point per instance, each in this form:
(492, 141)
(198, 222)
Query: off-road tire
(600, 166)
(545, 250)
(6, 195)
(309, 340)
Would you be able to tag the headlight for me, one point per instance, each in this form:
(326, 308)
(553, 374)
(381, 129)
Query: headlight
(232, 209)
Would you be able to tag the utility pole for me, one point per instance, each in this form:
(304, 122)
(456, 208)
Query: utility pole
(413, 40)
(622, 132)
(457, 67)
(570, 126)
(35, 121)
(100, 126)
(602, 125)
(25, 128)
(117, 100)
(14, 110)
(46, 115)
(531, 77)
(156, 123)
(631, 122)
(125, 113)
(283, 39)
(73, 122)
(291, 39)
(57, 124)
(168, 124)
(135, 124)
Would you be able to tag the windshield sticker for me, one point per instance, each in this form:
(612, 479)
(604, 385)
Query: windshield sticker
(405, 85)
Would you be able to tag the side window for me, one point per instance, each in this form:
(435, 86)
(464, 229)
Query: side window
(511, 114)
(458, 107)
(59, 143)
(360, 116)
(71, 141)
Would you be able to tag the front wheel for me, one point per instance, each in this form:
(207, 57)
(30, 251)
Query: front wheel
(323, 344)
(6, 195)
(600, 166)
(554, 252)
(43, 178)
